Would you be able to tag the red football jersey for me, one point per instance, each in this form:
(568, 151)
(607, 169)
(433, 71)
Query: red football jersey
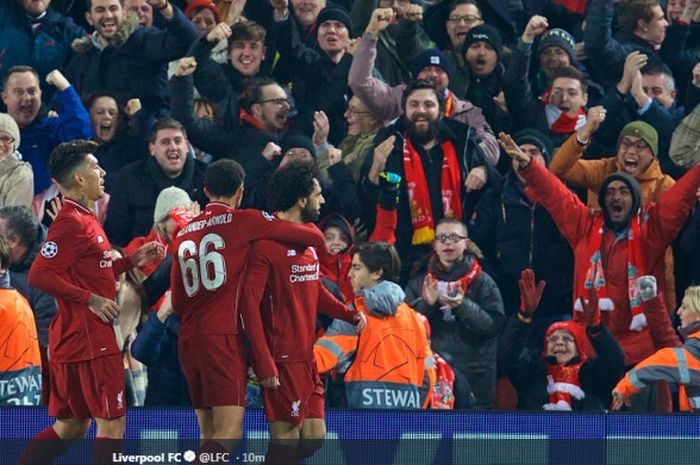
(209, 256)
(75, 262)
(279, 301)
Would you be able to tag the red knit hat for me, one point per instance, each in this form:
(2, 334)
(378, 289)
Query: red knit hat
(198, 4)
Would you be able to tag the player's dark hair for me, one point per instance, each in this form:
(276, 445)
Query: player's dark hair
(223, 178)
(380, 256)
(67, 157)
(291, 183)
(20, 220)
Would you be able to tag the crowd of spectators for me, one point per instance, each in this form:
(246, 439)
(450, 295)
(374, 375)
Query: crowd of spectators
(546, 264)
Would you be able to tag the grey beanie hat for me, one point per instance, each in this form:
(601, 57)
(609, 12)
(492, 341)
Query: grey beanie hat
(8, 125)
(169, 198)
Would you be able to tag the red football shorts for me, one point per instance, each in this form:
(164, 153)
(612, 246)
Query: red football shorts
(215, 368)
(88, 389)
(299, 396)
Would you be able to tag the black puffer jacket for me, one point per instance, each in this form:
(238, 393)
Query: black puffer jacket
(133, 199)
(137, 67)
(471, 339)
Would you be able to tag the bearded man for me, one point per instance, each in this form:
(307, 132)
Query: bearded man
(444, 170)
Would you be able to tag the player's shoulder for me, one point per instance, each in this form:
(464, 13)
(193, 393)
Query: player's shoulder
(265, 246)
(67, 218)
(249, 214)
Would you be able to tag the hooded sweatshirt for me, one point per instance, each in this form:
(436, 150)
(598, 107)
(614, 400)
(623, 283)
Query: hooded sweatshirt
(336, 266)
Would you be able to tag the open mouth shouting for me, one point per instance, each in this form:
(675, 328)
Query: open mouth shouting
(109, 27)
(630, 165)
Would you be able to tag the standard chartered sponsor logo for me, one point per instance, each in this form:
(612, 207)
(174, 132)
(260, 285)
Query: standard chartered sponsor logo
(303, 273)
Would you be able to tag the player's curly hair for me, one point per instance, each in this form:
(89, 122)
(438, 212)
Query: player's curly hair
(223, 178)
(291, 183)
(67, 157)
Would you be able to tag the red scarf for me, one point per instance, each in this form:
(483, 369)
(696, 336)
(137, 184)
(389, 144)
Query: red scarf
(449, 288)
(595, 275)
(563, 382)
(574, 6)
(443, 391)
(245, 116)
(561, 123)
(449, 104)
(419, 196)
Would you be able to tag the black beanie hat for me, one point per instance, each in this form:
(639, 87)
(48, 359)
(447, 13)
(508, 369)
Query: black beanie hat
(334, 13)
(431, 57)
(559, 38)
(486, 33)
(294, 139)
(538, 139)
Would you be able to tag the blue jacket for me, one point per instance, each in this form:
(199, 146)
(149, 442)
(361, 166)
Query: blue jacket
(156, 347)
(46, 132)
(49, 49)
(135, 69)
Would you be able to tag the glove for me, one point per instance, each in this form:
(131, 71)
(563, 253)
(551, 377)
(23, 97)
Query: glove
(530, 294)
(591, 311)
(647, 287)
(389, 190)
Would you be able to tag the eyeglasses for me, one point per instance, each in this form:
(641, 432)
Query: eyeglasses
(451, 237)
(640, 145)
(277, 101)
(7, 140)
(565, 339)
(466, 18)
(355, 111)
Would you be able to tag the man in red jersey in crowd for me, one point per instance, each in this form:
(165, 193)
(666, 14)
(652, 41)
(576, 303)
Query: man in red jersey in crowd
(75, 266)
(280, 299)
(210, 254)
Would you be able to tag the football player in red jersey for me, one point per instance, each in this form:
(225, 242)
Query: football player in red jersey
(76, 267)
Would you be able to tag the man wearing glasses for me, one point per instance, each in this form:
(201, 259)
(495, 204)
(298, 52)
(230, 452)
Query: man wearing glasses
(464, 16)
(637, 150)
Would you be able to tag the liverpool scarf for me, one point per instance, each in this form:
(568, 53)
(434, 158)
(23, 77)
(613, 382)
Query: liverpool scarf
(561, 123)
(460, 277)
(563, 382)
(595, 275)
(419, 196)
(563, 385)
